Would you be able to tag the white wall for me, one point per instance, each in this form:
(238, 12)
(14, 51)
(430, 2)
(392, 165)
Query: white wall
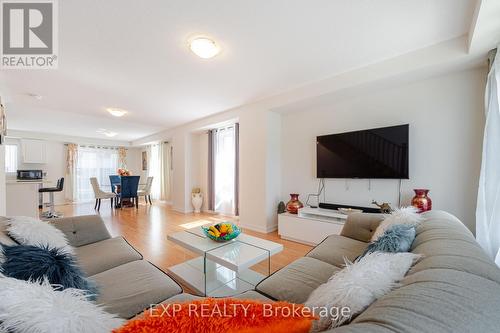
(134, 161)
(199, 162)
(446, 120)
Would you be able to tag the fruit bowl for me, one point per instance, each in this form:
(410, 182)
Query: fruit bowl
(222, 232)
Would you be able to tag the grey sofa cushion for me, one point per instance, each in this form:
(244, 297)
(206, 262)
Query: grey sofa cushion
(437, 300)
(82, 230)
(295, 282)
(334, 248)
(98, 257)
(4, 237)
(448, 244)
(361, 226)
(129, 289)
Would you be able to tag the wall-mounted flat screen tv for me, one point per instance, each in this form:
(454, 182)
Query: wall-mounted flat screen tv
(373, 153)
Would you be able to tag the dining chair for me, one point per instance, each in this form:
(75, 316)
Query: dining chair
(146, 190)
(100, 194)
(114, 180)
(128, 189)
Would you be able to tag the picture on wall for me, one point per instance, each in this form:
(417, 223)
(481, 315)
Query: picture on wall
(144, 160)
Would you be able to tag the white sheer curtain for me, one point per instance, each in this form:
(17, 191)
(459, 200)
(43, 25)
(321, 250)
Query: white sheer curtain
(224, 155)
(488, 203)
(93, 162)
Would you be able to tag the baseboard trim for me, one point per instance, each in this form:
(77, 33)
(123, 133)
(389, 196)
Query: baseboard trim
(298, 241)
(178, 210)
(265, 230)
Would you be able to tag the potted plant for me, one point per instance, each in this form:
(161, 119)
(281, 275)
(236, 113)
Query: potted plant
(197, 199)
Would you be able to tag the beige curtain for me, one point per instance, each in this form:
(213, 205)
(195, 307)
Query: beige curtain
(122, 157)
(160, 167)
(71, 159)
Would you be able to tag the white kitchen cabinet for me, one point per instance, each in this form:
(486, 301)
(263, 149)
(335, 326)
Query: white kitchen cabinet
(33, 151)
(22, 198)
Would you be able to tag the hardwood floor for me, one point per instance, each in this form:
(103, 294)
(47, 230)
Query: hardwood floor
(147, 227)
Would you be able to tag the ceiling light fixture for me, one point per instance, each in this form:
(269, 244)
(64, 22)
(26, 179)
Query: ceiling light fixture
(104, 131)
(35, 96)
(117, 112)
(204, 47)
(110, 134)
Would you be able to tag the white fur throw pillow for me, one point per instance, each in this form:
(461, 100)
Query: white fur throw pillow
(357, 286)
(28, 307)
(30, 231)
(406, 215)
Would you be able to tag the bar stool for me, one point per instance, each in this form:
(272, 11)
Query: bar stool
(51, 213)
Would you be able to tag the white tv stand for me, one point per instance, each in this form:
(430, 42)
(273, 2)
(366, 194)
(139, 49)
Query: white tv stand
(311, 225)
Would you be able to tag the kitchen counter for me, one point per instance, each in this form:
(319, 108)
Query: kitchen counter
(22, 197)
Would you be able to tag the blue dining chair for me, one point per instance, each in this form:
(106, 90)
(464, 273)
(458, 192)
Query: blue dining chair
(128, 189)
(114, 180)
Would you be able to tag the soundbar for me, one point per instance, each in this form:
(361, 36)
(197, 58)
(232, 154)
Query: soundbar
(336, 206)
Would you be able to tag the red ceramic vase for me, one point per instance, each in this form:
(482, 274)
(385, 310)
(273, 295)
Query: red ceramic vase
(421, 200)
(294, 204)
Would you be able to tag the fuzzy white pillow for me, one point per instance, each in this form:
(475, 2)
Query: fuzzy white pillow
(30, 231)
(357, 286)
(406, 215)
(29, 307)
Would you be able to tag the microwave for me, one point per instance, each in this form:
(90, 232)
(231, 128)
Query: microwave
(29, 174)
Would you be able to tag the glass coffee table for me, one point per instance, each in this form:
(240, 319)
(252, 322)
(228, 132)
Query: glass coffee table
(222, 269)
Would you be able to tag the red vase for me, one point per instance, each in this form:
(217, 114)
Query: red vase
(421, 200)
(294, 204)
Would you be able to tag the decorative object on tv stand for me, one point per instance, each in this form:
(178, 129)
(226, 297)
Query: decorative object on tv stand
(294, 204)
(281, 207)
(123, 172)
(385, 207)
(421, 200)
(347, 211)
(197, 199)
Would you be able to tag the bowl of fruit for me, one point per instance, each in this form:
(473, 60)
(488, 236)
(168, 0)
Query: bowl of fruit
(222, 232)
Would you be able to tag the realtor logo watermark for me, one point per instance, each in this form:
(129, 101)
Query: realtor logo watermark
(29, 34)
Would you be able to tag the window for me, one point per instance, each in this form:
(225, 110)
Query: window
(11, 158)
(94, 162)
(224, 150)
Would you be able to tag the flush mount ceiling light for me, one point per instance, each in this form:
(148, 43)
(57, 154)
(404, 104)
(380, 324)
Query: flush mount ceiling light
(204, 47)
(104, 131)
(35, 96)
(110, 134)
(117, 112)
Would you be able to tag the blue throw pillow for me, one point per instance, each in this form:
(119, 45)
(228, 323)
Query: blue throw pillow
(28, 262)
(397, 238)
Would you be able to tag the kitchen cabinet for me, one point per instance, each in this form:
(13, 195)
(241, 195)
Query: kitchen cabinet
(33, 151)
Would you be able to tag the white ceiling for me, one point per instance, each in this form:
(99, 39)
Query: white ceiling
(134, 55)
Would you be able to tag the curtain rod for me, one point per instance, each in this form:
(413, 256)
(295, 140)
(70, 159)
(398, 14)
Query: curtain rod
(98, 146)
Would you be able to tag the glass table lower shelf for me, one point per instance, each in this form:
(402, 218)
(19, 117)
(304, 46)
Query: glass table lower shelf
(217, 280)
